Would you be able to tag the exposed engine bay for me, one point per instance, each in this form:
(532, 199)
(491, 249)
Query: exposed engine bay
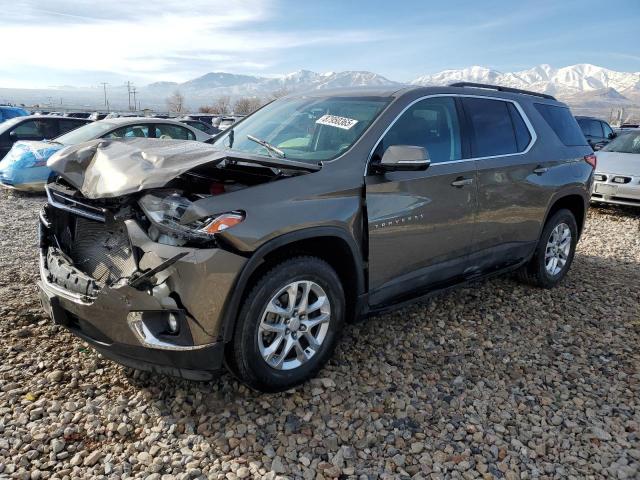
(88, 243)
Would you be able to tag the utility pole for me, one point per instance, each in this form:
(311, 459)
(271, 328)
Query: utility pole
(129, 85)
(104, 86)
(135, 105)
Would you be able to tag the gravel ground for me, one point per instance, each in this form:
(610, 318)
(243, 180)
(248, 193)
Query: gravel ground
(496, 380)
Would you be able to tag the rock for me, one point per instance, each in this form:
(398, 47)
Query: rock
(243, 472)
(417, 447)
(277, 466)
(55, 376)
(600, 434)
(57, 445)
(91, 459)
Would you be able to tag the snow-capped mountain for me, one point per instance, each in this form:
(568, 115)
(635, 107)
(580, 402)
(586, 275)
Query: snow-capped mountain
(220, 83)
(564, 81)
(470, 74)
(588, 89)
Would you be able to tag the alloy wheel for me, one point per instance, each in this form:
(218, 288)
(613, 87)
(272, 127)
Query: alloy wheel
(294, 325)
(558, 248)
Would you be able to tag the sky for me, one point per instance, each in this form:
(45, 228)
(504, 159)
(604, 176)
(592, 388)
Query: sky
(82, 43)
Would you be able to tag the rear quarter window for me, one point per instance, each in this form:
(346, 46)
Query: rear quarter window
(562, 123)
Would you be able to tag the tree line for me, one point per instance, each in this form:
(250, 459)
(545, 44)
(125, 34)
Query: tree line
(223, 105)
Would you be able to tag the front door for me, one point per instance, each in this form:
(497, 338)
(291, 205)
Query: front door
(421, 223)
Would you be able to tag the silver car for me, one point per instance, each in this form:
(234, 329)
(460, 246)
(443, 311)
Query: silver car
(617, 176)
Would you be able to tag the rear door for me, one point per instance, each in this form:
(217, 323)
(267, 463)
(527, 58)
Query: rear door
(511, 202)
(420, 224)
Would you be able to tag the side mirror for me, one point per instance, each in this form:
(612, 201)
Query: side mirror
(404, 158)
(612, 135)
(14, 136)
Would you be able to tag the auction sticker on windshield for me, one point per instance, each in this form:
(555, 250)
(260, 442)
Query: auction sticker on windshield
(335, 121)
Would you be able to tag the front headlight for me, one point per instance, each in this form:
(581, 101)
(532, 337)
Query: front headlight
(165, 211)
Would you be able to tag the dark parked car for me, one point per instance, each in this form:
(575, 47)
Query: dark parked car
(34, 127)
(207, 128)
(315, 210)
(597, 132)
(204, 117)
(78, 114)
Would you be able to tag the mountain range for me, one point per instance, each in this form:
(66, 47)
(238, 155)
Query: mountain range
(583, 86)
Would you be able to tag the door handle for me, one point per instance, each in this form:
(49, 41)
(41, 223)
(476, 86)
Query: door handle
(461, 182)
(539, 170)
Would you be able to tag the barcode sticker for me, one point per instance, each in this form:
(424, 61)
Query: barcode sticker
(338, 122)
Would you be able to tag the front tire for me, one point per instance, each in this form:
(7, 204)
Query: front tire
(288, 325)
(554, 253)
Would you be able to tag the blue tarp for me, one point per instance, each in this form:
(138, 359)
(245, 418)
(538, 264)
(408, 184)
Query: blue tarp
(25, 166)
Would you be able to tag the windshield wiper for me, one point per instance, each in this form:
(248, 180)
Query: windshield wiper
(270, 148)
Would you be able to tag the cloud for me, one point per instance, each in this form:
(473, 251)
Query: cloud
(154, 40)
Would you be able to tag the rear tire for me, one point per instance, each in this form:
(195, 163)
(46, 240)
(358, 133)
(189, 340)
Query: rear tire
(288, 325)
(554, 253)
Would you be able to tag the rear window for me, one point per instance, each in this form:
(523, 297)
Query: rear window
(562, 123)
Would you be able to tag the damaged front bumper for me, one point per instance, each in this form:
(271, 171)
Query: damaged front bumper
(168, 321)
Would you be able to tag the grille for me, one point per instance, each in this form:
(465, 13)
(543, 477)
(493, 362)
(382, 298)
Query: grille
(102, 250)
(64, 199)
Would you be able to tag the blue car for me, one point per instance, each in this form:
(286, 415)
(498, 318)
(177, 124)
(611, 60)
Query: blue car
(25, 166)
(7, 112)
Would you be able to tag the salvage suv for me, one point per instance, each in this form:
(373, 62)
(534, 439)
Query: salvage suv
(252, 252)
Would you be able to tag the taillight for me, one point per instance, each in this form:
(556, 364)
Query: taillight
(591, 159)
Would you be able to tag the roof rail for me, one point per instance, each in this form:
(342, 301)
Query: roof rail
(501, 89)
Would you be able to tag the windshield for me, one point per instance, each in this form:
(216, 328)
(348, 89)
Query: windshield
(628, 143)
(307, 129)
(85, 133)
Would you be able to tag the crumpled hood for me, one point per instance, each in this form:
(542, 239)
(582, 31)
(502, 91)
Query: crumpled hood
(28, 154)
(112, 168)
(620, 163)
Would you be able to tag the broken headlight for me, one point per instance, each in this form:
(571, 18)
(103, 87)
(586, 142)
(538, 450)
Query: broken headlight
(165, 211)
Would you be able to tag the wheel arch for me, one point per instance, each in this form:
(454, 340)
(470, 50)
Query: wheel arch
(574, 201)
(332, 244)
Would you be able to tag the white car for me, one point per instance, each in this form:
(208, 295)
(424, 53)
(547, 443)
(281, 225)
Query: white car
(25, 166)
(617, 175)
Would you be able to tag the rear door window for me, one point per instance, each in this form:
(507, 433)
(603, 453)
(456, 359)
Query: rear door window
(131, 131)
(595, 128)
(497, 128)
(173, 132)
(562, 123)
